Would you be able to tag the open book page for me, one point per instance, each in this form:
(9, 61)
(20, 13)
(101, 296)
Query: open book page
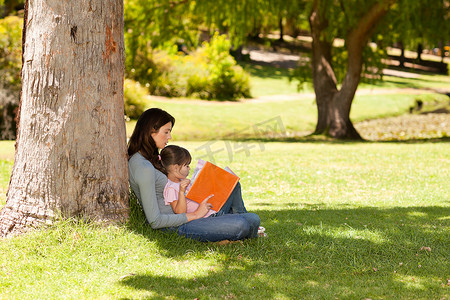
(229, 170)
(212, 179)
(200, 164)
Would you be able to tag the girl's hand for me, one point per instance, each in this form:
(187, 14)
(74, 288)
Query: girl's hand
(183, 184)
(204, 207)
(201, 211)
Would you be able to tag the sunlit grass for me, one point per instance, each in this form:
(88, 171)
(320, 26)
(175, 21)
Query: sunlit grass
(344, 220)
(203, 120)
(7, 150)
(6, 161)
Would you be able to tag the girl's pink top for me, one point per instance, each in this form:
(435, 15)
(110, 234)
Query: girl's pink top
(171, 192)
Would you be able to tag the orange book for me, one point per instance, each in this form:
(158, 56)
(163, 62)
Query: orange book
(210, 179)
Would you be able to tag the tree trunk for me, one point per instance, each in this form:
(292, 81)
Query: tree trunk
(419, 51)
(280, 26)
(442, 47)
(71, 156)
(333, 105)
(402, 56)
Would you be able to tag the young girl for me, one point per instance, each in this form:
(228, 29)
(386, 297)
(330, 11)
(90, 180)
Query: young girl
(175, 160)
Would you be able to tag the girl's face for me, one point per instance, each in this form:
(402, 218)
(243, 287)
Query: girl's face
(180, 172)
(184, 170)
(163, 135)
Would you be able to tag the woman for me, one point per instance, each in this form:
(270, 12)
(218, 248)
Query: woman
(147, 180)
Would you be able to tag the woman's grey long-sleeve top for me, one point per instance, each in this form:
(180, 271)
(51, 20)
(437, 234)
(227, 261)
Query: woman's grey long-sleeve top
(148, 184)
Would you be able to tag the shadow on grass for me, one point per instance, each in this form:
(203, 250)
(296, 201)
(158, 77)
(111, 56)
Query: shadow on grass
(417, 83)
(265, 70)
(315, 252)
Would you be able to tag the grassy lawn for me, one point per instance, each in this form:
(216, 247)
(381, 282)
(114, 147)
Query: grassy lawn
(268, 80)
(344, 220)
(211, 120)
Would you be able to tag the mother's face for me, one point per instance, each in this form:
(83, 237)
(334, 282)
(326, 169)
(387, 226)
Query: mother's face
(163, 135)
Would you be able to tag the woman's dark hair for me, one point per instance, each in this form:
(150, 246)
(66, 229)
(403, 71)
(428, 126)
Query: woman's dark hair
(141, 140)
(174, 155)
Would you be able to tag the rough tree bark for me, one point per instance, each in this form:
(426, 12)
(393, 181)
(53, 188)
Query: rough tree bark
(334, 104)
(71, 146)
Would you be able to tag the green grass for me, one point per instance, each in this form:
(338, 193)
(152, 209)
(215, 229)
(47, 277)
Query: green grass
(215, 120)
(7, 150)
(6, 161)
(380, 106)
(345, 221)
(207, 120)
(268, 80)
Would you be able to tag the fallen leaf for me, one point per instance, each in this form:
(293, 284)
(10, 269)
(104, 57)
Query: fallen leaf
(425, 249)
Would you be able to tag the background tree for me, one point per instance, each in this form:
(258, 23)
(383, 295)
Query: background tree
(355, 23)
(335, 71)
(418, 24)
(152, 25)
(71, 147)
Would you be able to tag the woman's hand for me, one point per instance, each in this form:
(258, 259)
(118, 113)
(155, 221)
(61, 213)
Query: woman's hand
(201, 211)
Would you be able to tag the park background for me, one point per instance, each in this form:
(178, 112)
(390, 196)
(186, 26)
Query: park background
(345, 219)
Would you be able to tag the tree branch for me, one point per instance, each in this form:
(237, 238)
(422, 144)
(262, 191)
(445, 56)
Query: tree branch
(357, 40)
(367, 22)
(341, 3)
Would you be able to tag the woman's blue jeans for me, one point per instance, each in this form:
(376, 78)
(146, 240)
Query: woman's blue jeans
(232, 222)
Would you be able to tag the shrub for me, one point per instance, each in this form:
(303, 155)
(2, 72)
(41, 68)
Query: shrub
(10, 53)
(225, 79)
(10, 81)
(210, 72)
(134, 98)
